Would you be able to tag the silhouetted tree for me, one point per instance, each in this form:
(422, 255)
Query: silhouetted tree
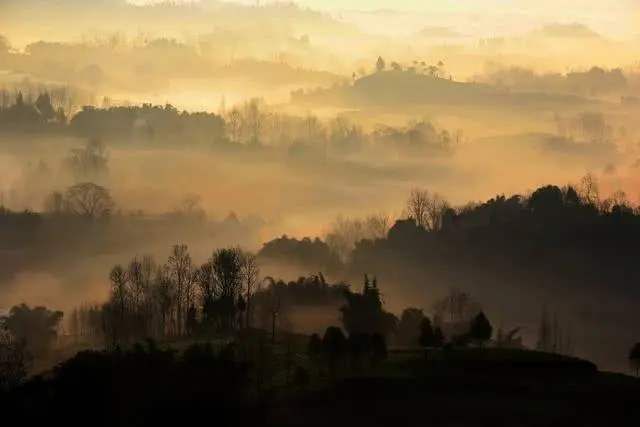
(360, 350)
(250, 276)
(634, 358)
(14, 359)
(314, 347)
(35, 327)
(409, 327)
(480, 330)
(89, 162)
(364, 313)
(88, 200)
(427, 209)
(334, 347)
(427, 334)
(378, 349)
(438, 337)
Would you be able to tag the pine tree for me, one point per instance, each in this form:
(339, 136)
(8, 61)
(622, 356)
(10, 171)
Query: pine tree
(427, 334)
(481, 329)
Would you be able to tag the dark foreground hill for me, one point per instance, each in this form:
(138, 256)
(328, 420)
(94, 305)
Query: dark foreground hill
(465, 387)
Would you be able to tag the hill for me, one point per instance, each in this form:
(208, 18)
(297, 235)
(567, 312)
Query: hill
(402, 87)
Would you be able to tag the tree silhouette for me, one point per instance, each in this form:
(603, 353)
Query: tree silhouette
(380, 64)
(427, 334)
(364, 312)
(14, 359)
(480, 330)
(35, 327)
(409, 327)
(334, 347)
(378, 349)
(88, 200)
(314, 348)
(634, 358)
(427, 209)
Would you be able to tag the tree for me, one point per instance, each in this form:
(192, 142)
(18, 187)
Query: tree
(234, 125)
(409, 327)
(334, 347)
(380, 64)
(427, 334)
(589, 191)
(634, 358)
(250, 275)
(253, 120)
(378, 349)
(546, 201)
(89, 162)
(36, 328)
(427, 209)
(457, 306)
(227, 275)
(55, 203)
(181, 272)
(88, 200)
(481, 329)
(44, 107)
(364, 313)
(438, 338)
(13, 359)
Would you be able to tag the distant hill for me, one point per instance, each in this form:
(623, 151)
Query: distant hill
(407, 87)
(439, 33)
(278, 73)
(575, 31)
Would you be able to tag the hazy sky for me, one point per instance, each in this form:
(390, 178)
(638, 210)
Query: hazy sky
(608, 16)
(557, 6)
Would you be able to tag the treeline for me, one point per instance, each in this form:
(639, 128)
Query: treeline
(30, 115)
(250, 125)
(226, 296)
(570, 248)
(593, 82)
(174, 299)
(549, 213)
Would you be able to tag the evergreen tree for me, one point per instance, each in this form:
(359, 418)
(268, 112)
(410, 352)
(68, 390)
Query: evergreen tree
(481, 329)
(427, 334)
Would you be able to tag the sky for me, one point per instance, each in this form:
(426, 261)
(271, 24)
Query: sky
(613, 17)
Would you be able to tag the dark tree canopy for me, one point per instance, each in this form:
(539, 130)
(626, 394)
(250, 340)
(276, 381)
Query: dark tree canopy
(427, 334)
(364, 312)
(36, 327)
(481, 329)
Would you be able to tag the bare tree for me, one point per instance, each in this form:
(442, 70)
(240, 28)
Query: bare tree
(13, 359)
(181, 273)
(427, 209)
(344, 233)
(588, 190)
(227, 274)
(253, 120)
(89, 162)
(457, 306)
(250, 275)
(88, 200)
(234, 124)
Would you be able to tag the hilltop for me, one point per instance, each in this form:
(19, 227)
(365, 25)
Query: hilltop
(402, 87)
